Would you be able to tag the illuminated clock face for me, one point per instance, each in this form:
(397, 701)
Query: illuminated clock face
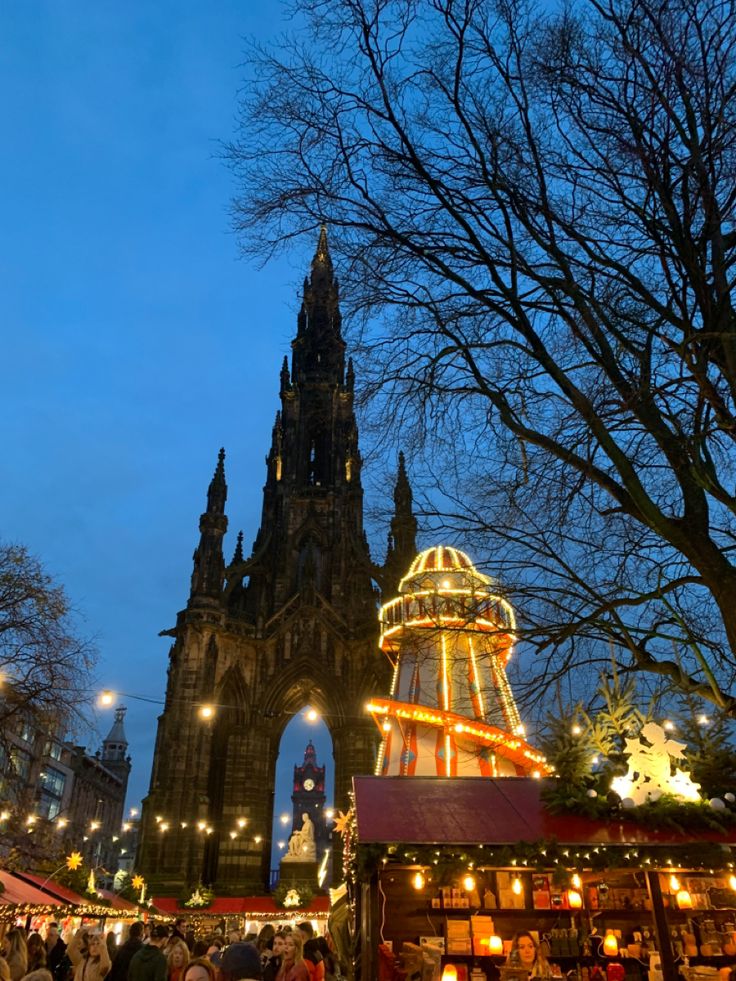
(309, 784)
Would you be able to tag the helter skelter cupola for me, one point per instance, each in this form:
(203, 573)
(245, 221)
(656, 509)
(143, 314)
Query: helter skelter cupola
(451, 712)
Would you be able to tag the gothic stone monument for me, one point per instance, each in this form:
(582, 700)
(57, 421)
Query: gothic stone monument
(291, 624)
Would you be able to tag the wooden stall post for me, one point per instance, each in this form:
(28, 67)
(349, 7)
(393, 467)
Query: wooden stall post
(661, 927)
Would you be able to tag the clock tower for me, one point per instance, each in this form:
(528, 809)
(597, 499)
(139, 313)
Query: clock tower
(308, 796)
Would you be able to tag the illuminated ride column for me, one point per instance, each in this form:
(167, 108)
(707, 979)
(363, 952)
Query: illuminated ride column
(451, 712)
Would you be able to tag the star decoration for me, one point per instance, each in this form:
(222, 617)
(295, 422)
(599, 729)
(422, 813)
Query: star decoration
(73, 861)
(138, 882)
(341, 822)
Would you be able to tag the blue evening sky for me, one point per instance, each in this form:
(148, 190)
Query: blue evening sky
(135, 342)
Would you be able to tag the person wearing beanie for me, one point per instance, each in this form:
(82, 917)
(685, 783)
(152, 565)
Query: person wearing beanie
(241, 962)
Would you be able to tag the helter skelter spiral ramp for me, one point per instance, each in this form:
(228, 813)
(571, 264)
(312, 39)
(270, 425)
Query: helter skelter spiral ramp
(449, 635)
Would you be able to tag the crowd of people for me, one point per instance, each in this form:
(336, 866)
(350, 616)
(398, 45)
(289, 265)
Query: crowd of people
(159, 953)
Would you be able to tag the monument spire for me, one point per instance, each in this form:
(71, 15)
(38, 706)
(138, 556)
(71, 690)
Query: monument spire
(209, 565)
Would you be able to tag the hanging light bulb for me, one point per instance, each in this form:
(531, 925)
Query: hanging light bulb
(468, 883)
(576, 882)
(418, 881)
(684, 900)
(574, 899)
(516, 886)
(674, 884)
(610, 944)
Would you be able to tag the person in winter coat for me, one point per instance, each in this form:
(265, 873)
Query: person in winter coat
(293, 966)
(314, 960)
(36, 952)
(177, 958)
(16, 953)
(149, 963)
(241, 962)
(88, 954)
(119, 970)
(55, 950)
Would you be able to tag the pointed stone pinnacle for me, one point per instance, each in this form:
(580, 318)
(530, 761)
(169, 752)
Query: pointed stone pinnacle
(238, 553)
(323, 253)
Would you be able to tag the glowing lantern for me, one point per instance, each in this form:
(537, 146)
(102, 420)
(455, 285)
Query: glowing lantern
(516, 886)
(449, 973)
(468, 883)
(418, 881)
(574, 899)
(684, 900)
(610, 944)
(495, 946)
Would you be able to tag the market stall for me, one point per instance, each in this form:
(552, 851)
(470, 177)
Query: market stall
(447, 871)
(247, 913)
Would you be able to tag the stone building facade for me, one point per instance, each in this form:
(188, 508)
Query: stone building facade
(56, 795)
(291, 624)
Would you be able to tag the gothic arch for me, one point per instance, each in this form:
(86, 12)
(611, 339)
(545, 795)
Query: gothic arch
(298, 684)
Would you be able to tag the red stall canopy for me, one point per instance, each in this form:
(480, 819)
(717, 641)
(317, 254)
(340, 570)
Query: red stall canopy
(55, 889)
(478, 810)
(18, 892)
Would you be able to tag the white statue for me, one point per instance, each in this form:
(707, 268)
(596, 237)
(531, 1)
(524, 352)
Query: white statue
(302, 847)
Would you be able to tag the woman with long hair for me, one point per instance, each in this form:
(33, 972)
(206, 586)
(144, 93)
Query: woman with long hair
(526, 953)
(177, 958)
(36, 953)
(88, 954)
(16, 953)
(293, 966)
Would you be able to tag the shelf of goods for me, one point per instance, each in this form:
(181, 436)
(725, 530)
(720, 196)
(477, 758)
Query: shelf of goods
(636, 910)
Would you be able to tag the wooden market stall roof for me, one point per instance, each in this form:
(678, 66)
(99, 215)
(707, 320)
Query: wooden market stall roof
(17, 892)
(251, 906)
(479, 810)
(117, 902)
(52, 888)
